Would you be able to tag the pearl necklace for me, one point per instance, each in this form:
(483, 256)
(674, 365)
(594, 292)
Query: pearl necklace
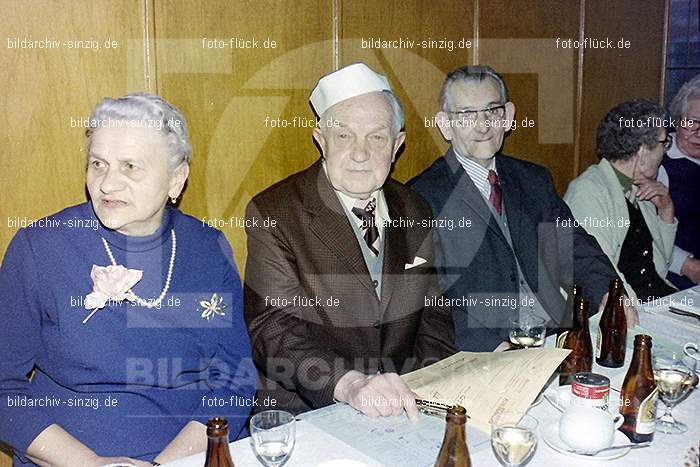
(152, 303)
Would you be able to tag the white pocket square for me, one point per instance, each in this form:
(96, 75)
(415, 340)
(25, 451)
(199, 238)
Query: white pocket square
(416, 262)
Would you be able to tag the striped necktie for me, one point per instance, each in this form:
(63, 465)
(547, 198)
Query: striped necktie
(364, 210)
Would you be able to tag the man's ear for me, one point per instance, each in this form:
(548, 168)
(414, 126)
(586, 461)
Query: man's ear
(178, 179)
(398, 141)
(510, 114)
(318, 136)
(442, 120)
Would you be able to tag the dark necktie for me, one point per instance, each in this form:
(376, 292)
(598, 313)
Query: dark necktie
(365, 212)
(496, 197)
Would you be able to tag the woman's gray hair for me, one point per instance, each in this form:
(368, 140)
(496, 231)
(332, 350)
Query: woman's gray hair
(472, 74)
(690, 91)
(627, 127)
(398, 119)
(143, 110)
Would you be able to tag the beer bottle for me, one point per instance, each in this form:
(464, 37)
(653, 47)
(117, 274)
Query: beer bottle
(578, 340)
(612, 329)
(218, 454)
(639, 394)
(454, 451)
(569, 310)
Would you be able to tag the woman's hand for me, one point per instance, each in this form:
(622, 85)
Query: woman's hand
(190, 440)
(99, 461)
(657, 193)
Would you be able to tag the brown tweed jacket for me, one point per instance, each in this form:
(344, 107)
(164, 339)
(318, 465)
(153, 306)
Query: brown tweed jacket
(310, 303)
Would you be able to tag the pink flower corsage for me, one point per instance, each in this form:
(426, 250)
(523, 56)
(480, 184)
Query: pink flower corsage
(110, 283)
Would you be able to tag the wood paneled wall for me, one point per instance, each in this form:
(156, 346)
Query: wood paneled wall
(237, 99)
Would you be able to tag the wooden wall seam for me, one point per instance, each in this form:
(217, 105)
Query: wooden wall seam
(336, 33)
(664, 52)
(475, 48)
(149, 47)
(579, 91)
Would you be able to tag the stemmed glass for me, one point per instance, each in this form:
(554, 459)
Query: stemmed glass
(273, 435)
(513, 438)
(527, 331)
(674, 378)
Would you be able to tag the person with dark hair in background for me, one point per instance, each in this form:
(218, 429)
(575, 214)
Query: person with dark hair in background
(622, 188)
(128, 311)
(521, 247)
(336, 283)
(680, 172)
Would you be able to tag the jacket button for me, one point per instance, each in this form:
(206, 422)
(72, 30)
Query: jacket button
(512, 277)
(376, 324)
(375, 283)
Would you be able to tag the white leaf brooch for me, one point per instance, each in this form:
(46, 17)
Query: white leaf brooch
(212, 307)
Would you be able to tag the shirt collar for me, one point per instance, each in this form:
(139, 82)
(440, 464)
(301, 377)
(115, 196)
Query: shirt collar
(675, 153)
(478, 174)
(382, 211)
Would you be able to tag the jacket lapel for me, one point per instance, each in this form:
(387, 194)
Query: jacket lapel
(395, 247)
(512, 199)
(331, 226)
(470, 195)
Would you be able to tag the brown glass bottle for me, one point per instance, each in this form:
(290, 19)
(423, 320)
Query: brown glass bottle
(639, 394)
(568, 321)
(218, 454)
(454, 451)
(612, 329)
(578, 340)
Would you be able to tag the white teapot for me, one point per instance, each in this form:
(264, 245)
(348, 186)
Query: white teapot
(588, 429)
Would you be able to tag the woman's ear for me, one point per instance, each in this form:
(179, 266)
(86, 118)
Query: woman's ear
(178, 179)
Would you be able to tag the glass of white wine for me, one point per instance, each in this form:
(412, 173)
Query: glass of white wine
(527, 331)
(272, 434)
(513, 438)
(674, 379)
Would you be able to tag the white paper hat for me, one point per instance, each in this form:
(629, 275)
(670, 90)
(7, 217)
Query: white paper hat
(350, 81)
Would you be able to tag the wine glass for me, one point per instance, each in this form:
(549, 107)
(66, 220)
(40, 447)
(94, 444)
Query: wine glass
(527, 331)
(513, 438)
(674, 378)
(273, 435)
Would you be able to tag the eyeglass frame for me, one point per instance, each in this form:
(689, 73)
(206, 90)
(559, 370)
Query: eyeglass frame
(476, 112)
(667, 142)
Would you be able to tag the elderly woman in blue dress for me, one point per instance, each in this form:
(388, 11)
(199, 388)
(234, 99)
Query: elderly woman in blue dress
(128, 311)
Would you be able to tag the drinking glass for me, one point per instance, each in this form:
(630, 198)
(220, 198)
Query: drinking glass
(674, 378)
(273, 435)
(513, 438)
(527, 331)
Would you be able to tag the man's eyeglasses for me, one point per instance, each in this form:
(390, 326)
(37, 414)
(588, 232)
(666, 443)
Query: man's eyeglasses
(667, 142)
(490, 113)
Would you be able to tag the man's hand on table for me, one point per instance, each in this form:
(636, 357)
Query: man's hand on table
(378, 395)
(631, 314)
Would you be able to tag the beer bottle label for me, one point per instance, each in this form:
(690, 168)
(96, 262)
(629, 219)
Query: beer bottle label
(598, 342)
(647, 414)
(561, 339)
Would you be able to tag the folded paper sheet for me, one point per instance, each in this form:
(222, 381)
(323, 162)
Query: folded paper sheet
(486, 383)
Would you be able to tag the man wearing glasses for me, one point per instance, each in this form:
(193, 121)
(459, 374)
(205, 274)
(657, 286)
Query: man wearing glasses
(519, 251)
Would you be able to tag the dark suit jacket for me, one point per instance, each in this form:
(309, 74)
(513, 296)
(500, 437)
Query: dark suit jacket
(303, 349)
(477, 265)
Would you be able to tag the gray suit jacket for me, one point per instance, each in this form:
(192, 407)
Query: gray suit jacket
(477, 265)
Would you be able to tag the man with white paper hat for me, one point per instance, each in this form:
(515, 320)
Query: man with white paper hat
(336, 290)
